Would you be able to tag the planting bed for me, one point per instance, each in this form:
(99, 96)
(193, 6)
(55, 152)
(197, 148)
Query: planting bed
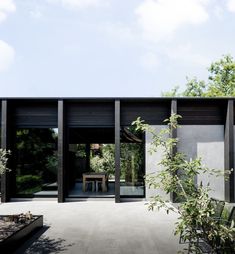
(13, 231)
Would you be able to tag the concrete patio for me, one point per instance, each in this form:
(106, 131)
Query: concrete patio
(100, 227)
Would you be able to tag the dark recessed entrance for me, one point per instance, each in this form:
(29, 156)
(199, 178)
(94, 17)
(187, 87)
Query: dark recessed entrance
(91, 163)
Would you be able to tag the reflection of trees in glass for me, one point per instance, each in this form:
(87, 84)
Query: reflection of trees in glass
(36, 158)
(52, 163)
(104, 161)
(131, 161)
(81, 150)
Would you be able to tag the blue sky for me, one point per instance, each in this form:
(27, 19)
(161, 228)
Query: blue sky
(99, 48)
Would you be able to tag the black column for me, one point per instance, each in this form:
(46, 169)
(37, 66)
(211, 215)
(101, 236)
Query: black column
(61, 152)
(173, 135)
(229, 152)
(88, 151)
(117, 151)
(5, 191)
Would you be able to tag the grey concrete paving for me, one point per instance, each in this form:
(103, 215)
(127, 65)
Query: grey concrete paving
(98, 227)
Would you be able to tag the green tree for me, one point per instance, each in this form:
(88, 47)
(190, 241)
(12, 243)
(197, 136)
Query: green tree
(104, 161)
(220, 83)
(174, 92)
(194, 88)
(131, 160)
(36, 153)
(222, 78)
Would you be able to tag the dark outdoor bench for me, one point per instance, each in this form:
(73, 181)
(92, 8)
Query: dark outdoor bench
(227, 248)
(218, 206)
(204, 247)
(202, 243)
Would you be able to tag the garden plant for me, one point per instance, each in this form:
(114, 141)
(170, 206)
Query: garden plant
(177, 176)
(4, 154)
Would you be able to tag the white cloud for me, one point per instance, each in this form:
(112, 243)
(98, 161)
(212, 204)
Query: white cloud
(231, 5)
(119, 32)
(36, 14)
(6, 7)
(150, 61)
(185, 53)
(160, 19)
(79, 4)
(218, 11)
(7, 55)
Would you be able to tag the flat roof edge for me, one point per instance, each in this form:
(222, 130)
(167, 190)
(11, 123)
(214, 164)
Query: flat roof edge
(116, 98)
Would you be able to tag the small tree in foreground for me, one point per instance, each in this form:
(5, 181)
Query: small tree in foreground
(178, 176)
(3, 160)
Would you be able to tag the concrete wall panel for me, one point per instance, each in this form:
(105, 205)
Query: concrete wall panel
(207, 142)
(152, 161)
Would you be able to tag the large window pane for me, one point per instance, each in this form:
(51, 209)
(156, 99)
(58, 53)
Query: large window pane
(36, 162)
(99, 160)
(132, 165)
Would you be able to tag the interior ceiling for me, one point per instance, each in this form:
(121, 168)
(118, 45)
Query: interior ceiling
(99, 136)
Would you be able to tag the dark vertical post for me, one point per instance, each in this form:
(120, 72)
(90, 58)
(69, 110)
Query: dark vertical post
(88, 151)
(117, 151)
(229, 152)
(5, 195)
(61, 152)
(173, 135)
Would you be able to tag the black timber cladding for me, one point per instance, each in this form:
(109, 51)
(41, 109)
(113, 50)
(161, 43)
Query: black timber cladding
(153, 112)
(89, 113)
(35, 114)
(229, 153)
(95, 135)
(204, 112)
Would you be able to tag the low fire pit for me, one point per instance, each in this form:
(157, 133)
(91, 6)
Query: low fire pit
(16, 228)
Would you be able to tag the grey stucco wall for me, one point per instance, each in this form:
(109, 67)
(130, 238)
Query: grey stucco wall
(205, 141)
(151, 162)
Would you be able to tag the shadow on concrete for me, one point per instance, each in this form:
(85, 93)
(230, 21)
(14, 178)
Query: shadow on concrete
(40, 244)
(132, 200)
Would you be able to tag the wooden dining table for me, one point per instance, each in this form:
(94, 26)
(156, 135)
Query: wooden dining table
(102, 176)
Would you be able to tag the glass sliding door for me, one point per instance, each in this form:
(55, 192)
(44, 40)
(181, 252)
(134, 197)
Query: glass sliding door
(36, 162)
(77, 165)
(132, 164)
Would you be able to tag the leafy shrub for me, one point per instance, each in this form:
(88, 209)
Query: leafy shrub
(3, 160)
(28, 182)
